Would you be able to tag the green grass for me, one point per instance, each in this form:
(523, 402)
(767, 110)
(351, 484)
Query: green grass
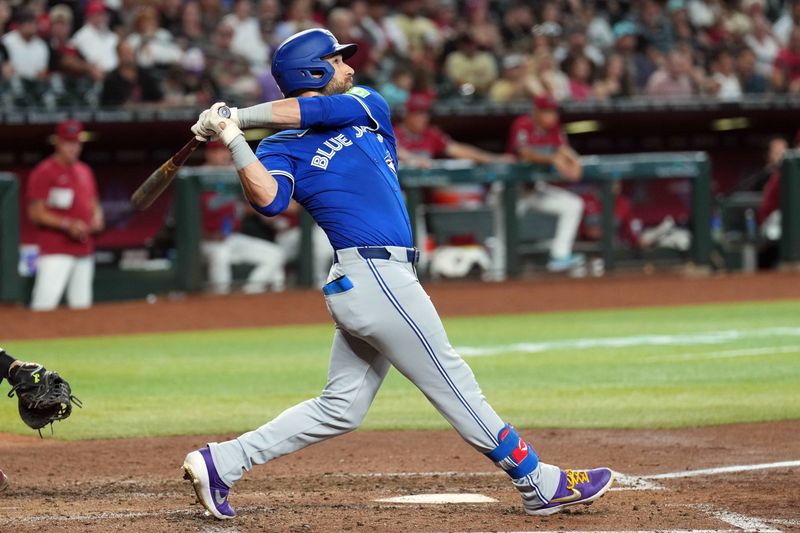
(229, 381)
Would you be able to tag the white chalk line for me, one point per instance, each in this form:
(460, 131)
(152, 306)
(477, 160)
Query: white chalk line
(678, 339)
(724, 470)
(744, 522)
(621, 478)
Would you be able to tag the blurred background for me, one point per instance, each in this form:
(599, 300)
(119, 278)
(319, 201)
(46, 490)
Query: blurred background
(679, 116)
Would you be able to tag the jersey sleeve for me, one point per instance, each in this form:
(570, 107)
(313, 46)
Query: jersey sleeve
(517, 137)
(360, 106)
(275, 158)
(439, 141)
(38, 184)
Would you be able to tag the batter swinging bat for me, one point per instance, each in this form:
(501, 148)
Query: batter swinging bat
(160, 179)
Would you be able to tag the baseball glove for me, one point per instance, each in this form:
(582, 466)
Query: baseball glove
(44, 396)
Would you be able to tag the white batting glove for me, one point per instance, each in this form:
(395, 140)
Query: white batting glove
(199, 129)
(224, 128)
(235, 116)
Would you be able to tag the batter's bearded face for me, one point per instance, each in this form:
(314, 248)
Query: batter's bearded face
(342, 80)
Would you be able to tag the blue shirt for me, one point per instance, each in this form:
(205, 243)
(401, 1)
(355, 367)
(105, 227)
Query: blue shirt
(342, 168)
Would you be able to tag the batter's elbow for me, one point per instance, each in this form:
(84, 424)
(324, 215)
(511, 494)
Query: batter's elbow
(270, 210)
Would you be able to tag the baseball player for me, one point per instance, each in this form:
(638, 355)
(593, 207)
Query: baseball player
(44, 396)
(63, 203)
(539, 138)
(337, 158)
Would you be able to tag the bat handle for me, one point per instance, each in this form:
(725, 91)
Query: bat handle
(224, 111)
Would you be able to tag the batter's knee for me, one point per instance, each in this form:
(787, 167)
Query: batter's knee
(342, 411)
(574, 204)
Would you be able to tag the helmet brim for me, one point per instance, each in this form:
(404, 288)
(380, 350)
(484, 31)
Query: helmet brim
(345, 50)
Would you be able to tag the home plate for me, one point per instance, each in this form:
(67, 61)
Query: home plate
(439, 498)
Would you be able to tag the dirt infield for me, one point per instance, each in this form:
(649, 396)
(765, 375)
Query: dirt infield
(135, 485)
(671, 479)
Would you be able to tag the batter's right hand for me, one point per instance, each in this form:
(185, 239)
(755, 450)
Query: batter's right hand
(201, 130)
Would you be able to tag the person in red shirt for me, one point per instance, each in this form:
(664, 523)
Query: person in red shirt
(63, 203)
(418, 144)
(786, 69)
(224, 246)
(538, 138)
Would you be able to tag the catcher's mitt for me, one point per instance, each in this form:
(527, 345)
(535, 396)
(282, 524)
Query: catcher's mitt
(44, 396)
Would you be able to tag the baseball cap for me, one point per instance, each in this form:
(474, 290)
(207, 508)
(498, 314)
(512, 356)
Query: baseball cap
(623, 28)
(94, 7)
(419, 103)
(545, 101)
(69, 130)
(513, 61)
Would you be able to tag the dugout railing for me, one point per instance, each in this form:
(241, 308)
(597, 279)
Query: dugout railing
(790, 210)
(602, 170)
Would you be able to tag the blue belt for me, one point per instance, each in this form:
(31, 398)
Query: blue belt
(379, 252)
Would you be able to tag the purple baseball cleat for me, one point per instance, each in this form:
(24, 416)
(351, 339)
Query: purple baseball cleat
(576, 487)
(211, 491)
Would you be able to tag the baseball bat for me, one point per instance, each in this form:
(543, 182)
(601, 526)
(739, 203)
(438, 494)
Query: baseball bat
(159, 180)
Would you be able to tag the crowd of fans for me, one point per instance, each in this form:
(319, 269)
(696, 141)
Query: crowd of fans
(192, 52)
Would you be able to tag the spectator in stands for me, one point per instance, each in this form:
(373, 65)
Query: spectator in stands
(170, 16)
(247, 41)
(95, 42)
(189, 84)
(129, 83)
(546, 77)
(614, 81)
(370, 28)
(63, 203)
(481, 27)
(419, 33)
(230, 71)
(211, 12)
(469, 68)
(786, 70)
(73, 79)
(191, 32)
(28, 54)
(419, 142)
(577, 44)
(5, 16)
(223, 246)
(627, 46)
(654, 26)
(299, 17)
(153, 45)
(724, 81)
(764, 45)
(538, 138)
(342, 25)
(673, 80)
(752, 81)
(512, 86)
(516, 28)
(579, 72)
(787, 22)
(397, 90)
(269, 15)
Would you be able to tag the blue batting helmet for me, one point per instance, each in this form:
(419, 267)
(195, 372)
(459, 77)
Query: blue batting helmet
(298, 62)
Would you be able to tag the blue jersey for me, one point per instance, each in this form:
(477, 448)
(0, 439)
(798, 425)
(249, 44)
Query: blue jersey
(341, 167)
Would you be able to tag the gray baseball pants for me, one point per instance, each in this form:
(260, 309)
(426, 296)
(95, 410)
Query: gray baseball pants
(385, 318)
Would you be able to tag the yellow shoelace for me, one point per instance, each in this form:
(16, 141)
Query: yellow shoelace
(575, 477)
